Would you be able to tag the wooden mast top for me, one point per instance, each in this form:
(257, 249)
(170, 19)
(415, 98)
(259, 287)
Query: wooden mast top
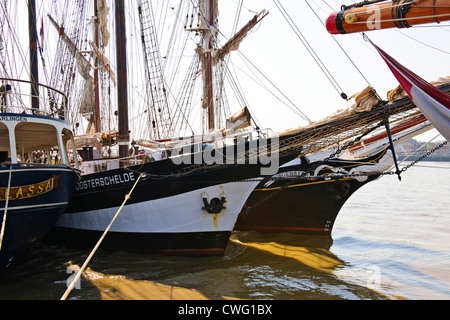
(212, 54)
(209, 43)
(122, 86)
(97, 120)
(34, 73)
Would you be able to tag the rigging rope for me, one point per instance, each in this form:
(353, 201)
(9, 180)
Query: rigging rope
(6, 207)
(77, 277)
(319, 136)
(422, 43)
(311, 51)
(239, 93)
(420, 148)
(334, 38)
(297, 109)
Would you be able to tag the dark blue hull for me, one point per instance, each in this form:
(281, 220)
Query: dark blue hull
(38, 197)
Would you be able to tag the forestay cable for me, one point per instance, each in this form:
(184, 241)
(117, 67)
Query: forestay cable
(311, 51)
(350, 59)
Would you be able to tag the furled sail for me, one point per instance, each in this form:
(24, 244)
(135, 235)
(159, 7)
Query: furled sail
(390, 14)
(87, 97)
(433, 103)
(239, 120)
(104, 62)
(84, 67)
(103, 11)
(365, 100)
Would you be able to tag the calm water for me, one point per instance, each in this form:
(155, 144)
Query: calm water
(390, 241)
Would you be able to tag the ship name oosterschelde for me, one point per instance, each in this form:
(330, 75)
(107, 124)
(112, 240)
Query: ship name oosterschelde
(106, 181)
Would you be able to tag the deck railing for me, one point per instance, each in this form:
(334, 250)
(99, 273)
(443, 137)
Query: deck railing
(15, 97)
(173, 148)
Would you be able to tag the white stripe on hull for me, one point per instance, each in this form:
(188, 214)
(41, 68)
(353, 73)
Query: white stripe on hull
(35, 168)
(174, 214)
(35, 206)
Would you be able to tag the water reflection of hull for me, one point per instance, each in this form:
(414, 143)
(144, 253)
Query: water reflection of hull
(308, 205)
(314, 258)
(201, 280)
(119, 287)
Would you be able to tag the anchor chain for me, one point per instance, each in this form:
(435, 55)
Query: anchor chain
(424, 156)
(351, 143)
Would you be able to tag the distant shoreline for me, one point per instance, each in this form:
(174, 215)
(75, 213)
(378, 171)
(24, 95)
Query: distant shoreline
(429, 158)
(413, 150)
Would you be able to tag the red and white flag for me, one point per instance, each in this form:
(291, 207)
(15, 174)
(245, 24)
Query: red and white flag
(433, 103)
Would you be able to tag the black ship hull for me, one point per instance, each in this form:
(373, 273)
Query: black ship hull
(175, 208)
(310, 205)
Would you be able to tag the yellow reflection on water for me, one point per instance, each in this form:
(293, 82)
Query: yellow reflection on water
(290, 251)
(316, 258)
(118, 287)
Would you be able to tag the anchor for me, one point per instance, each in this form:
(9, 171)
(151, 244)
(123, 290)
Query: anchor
(216, 205)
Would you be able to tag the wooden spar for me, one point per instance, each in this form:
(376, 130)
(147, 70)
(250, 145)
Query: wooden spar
(72, 47)
(397, 129)
(34, 73)
(391, 14)
(97, 121)
(240, 35)
(209, 66)
(123, 137)
(211, 59)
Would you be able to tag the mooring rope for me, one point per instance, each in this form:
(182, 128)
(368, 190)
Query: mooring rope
(6, 207)
(77, 277)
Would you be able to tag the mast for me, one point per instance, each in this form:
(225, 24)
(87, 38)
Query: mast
(212, 55)
(97, 121)
(34, 73)
(208, 46)
(122, 94)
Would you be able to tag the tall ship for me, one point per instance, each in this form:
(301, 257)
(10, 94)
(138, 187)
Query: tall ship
(184, 187)
(187, 191)
(37, 179)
